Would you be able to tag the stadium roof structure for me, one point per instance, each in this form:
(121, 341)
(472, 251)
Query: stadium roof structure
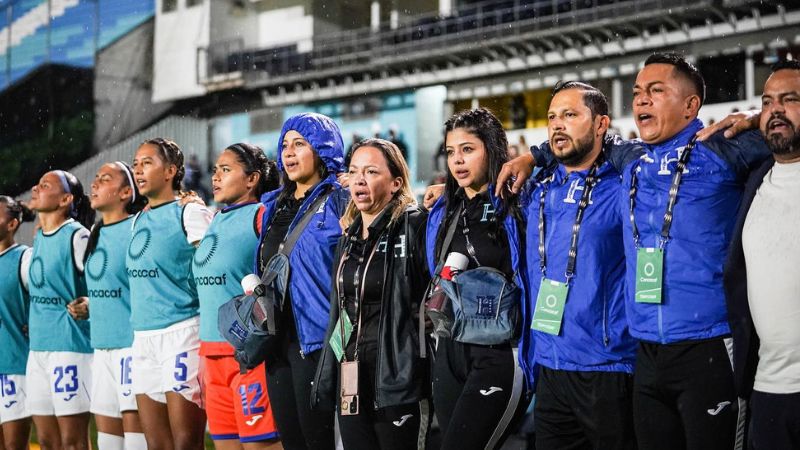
(499, 39)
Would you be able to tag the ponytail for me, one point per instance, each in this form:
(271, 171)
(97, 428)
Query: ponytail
(170, 154)
(17, 210)
(80, 210)
(138, 201)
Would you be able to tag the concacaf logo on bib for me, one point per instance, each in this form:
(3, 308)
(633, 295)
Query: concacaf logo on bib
(37, 272)
(206, 249)
(97, 265)
(139, 244)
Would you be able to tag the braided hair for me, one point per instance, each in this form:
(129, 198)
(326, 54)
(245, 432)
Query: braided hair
(172, 154)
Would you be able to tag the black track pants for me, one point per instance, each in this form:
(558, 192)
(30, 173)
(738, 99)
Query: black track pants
(477, 394)
(584, 410)
(684, 398)
(289, 378)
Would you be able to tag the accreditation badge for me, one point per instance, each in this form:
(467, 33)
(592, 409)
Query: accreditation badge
(649, 271)
(550, 306)
(336, 337)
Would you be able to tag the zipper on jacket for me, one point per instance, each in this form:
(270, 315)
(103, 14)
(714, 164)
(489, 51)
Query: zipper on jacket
(660, 325)
(381, 321)
(605, 320)
(320, 191)
(555, 358)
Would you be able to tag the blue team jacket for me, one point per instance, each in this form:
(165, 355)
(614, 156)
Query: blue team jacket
(515, 243)
(311, 260)
(693, 299)
(594, 333)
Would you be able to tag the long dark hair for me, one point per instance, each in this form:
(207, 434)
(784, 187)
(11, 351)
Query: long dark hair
(170, 153)
(482, 123)
(80, 209)
(137, 203)
(253, 159)
(17, 211)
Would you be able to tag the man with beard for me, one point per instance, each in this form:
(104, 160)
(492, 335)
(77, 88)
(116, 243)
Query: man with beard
(760, 279)
(680, 197)
(578, 333)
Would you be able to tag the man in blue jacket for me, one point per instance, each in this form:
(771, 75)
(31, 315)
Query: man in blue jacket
(762, 287)
(681, 197)
(576, 268)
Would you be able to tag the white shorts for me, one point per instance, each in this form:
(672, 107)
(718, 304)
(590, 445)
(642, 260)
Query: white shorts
(112, 389)
(14, 403)
(168, 360)
(59, 383)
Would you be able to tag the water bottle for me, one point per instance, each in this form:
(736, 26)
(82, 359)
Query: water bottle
(438, 304)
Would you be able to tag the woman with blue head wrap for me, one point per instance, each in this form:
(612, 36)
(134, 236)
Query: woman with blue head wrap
(311, 154)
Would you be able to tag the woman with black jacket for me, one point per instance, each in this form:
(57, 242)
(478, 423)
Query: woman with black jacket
(371, 365)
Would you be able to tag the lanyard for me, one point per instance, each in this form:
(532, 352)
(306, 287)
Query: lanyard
(465, 231)
(591, 181)
(673, 195)
(359, 283)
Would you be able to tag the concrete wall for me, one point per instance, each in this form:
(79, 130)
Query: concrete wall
(178, 35)
(292, 24)
(190, 134)
(234, 22)
(123, 87)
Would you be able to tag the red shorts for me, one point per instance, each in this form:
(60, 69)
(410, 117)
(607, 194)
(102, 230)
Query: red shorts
(237, 404)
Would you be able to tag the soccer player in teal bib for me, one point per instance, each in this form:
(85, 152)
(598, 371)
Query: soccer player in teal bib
(164, 304)
(14, 305)
(115, 196)
(60, 359)
(237, 405)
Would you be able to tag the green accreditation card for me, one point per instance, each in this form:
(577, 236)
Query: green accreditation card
(336, 338)
(550, 306)
(649, 267)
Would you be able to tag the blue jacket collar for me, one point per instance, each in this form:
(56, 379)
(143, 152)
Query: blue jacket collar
(682, 138)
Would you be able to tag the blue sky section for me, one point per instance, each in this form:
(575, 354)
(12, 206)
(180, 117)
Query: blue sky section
(74, 36)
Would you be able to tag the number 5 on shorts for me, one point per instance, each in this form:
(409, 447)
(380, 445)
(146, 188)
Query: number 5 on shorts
(181, 370)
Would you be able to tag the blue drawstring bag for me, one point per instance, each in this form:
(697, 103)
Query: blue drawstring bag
(486, 306)
(250, 343)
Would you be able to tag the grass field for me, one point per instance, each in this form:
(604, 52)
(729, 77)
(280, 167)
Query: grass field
(93, 435)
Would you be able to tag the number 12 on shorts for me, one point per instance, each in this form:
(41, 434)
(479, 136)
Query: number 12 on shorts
(250, 405)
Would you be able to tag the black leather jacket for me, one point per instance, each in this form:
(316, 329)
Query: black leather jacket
(401, 374)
